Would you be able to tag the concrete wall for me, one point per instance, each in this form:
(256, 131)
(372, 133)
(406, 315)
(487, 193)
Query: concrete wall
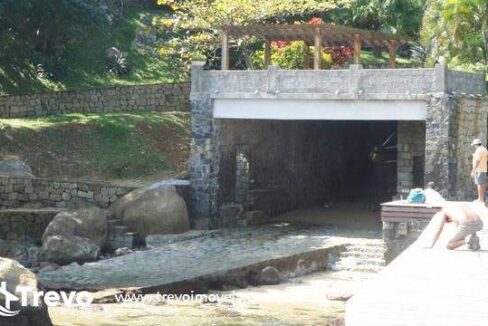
(157, 97)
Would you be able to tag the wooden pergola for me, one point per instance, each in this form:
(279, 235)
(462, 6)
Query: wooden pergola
(317, 35)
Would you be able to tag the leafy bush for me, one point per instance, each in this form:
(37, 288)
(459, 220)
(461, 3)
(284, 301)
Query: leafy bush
(117, 64)
(289, 55)
(53, 68)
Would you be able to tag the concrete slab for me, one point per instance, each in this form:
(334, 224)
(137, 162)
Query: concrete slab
(237, 253)
(427, 287)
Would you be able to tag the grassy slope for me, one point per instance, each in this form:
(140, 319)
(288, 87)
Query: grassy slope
(86, 63)
(137, 147)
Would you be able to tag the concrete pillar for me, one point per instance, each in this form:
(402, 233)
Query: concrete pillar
(439, 154)
(357, 49)
(204, 158)
(317, 58)
(410, 147)
(392, 51)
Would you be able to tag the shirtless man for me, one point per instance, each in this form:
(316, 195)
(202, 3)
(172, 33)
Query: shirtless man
(468, 222)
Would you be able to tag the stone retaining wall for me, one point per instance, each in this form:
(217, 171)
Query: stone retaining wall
(16, 192)
(155, 97)
(410, 156)
(25, 224)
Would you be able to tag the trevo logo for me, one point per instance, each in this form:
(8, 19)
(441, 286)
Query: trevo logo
(9, 297)
(30, 297)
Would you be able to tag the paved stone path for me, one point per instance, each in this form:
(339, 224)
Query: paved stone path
(213, 253)
(434, 287)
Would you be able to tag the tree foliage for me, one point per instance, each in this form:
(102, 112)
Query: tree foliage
(40, 30)
(392, 16)
(205, 14)
(457, 31)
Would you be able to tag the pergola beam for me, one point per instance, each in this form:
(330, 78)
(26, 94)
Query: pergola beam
(225, 50)
(392, 45)
(306, 56)
(267, 52)
(317, 35)
(357, 49)
(317, 53)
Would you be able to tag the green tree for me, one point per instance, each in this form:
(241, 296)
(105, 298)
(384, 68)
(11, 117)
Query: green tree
(457, 31)
(392, 16)
(40, 30)
(49, 24)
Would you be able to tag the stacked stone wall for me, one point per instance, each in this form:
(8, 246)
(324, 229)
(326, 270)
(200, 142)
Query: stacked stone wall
(469, 122)
(155, 97)
(16, 192)
(410, 147)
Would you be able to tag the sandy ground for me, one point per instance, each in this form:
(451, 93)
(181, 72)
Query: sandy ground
(301, 301)
(351, 215)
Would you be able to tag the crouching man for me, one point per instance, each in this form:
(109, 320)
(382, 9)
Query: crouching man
(467, 221)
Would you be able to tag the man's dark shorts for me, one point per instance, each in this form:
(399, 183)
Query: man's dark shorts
(480, 178)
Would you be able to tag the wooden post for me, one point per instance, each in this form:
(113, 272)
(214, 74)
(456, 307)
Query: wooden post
(306, 56)
(392, 45)
(357, 49)
(225, 50)
(317, 57)
(267, 53)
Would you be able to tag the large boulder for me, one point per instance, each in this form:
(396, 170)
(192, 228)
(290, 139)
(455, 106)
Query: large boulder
(15, 168)
(14, 275)
(62, 250)
(157, 209)
(88, 222)
(75, 235)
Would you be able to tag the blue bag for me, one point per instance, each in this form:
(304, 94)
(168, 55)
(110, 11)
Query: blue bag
(416, 196)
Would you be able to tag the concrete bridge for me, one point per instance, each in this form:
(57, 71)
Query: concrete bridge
(434, 287)
(275, 140)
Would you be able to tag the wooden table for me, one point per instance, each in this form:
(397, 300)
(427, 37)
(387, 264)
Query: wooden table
(401, 211)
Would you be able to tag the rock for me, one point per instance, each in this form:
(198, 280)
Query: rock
(339, 296)
(89, 222)
(112, 54)
(157, 209)
(62, 250)
(23, 251)
(270, 276)
(16, 275)
(122, 251)
(47, 267)
(15, 168)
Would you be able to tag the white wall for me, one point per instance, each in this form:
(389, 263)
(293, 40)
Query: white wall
(292, 109)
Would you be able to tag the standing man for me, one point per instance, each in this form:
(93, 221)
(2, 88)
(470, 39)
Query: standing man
(480, 166)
